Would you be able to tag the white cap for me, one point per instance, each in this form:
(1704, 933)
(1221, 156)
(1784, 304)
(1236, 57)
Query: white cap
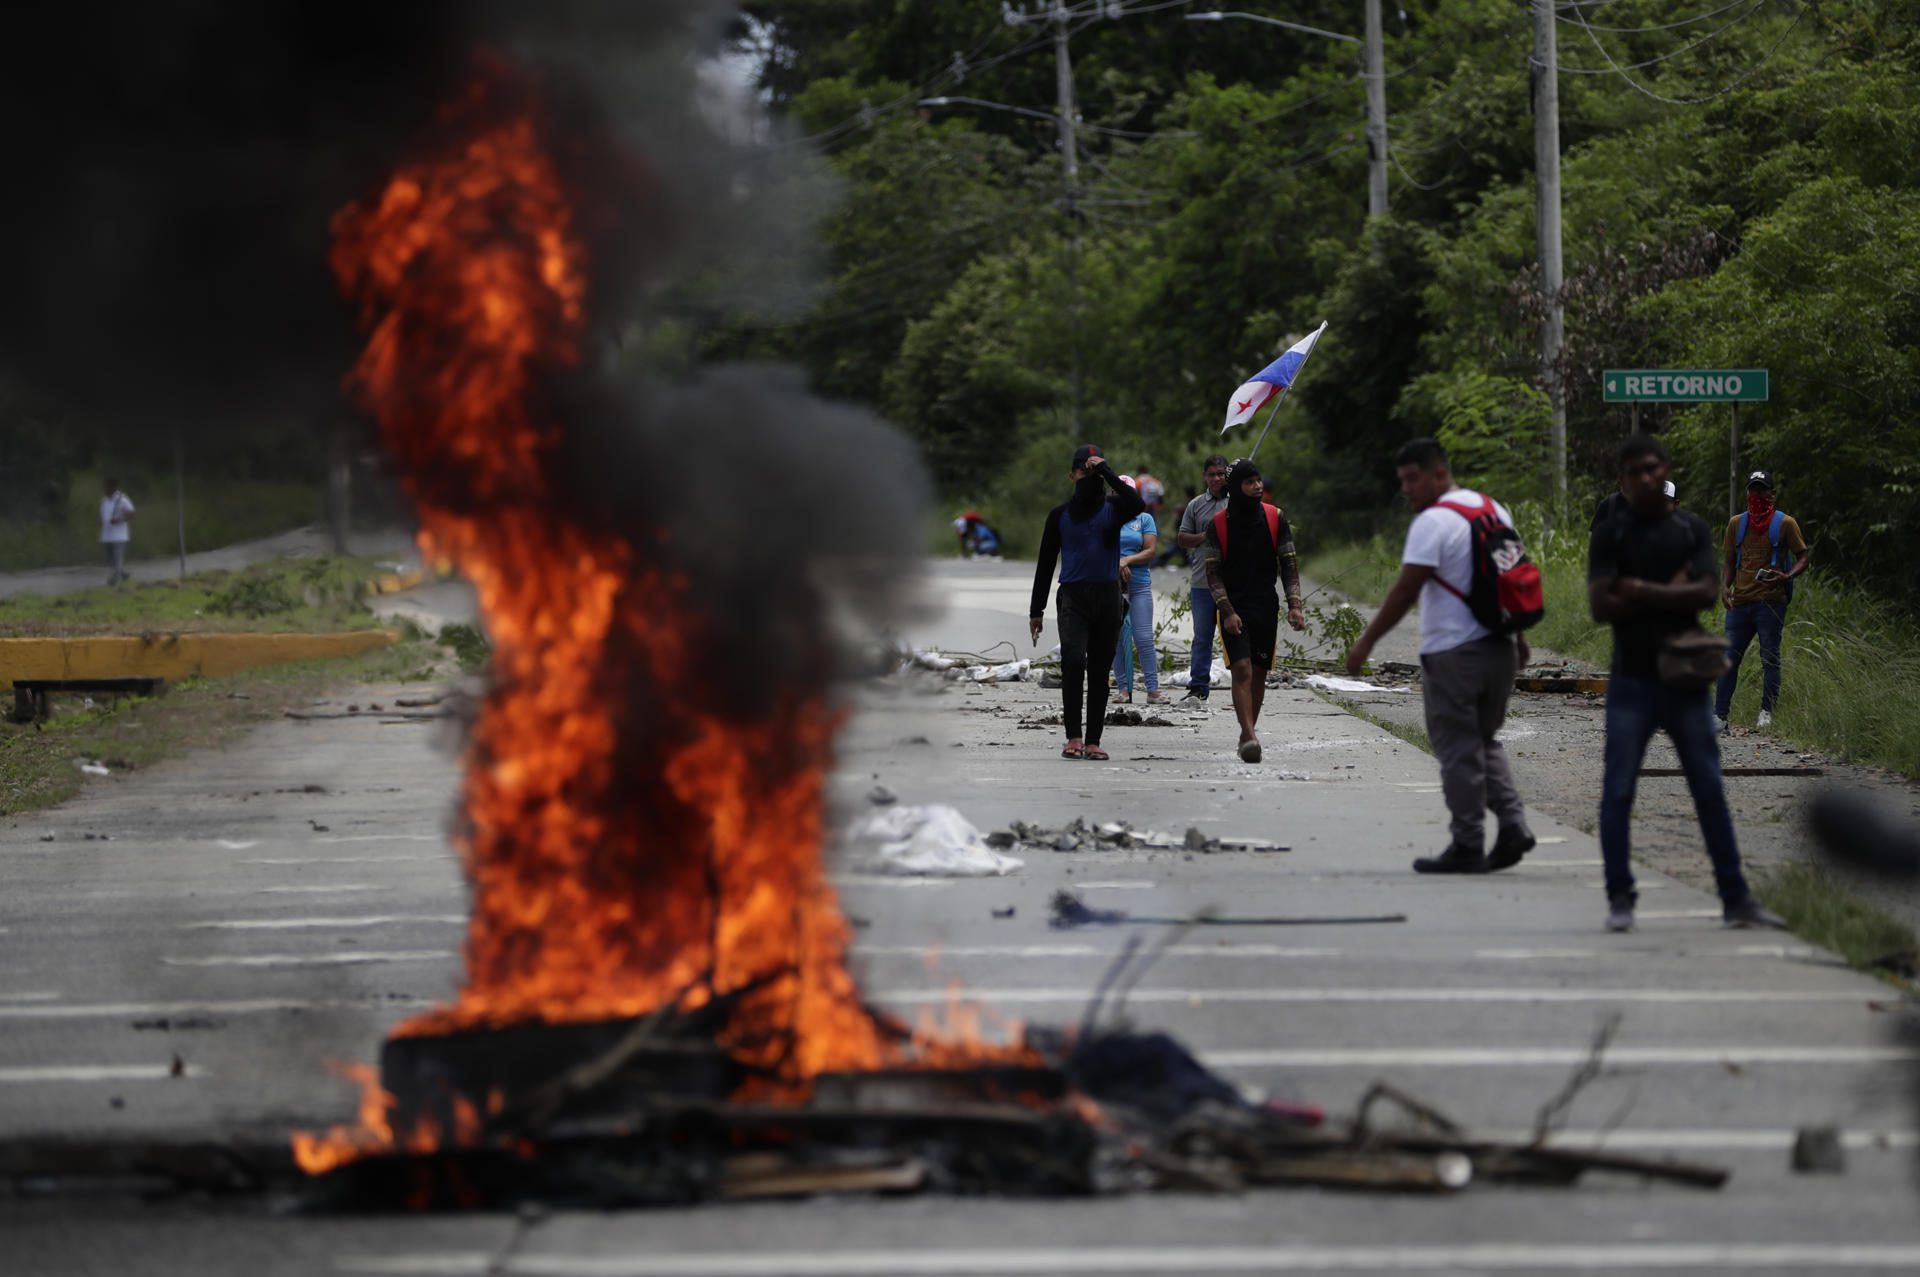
(1672, 492)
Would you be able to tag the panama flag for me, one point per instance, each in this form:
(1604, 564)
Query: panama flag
(1270, 381)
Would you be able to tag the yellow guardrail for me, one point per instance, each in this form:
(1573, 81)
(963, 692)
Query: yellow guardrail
(173, 656)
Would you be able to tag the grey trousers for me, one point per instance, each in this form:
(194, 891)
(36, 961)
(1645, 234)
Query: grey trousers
(1466, 691)
(116, 554)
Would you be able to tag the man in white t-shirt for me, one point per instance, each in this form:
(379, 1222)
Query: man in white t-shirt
(116, 525)
(1466, 670)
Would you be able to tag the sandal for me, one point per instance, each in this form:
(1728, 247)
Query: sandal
(1122, 698)
(1074, 750)
(1093, 753)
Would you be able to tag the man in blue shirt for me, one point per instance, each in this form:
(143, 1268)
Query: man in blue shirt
(1083, 535)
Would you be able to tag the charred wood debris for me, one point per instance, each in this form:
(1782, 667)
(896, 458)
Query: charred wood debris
(654, 1111)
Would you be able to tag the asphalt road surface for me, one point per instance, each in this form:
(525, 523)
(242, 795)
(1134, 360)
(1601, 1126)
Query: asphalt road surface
(261, 911)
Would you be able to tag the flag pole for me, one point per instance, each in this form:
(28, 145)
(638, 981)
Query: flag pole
(1286, 389)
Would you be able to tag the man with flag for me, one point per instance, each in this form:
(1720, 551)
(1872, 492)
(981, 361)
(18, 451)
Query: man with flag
(1250, 547)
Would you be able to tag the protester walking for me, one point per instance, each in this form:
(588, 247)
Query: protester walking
(116, 528)
(1758, 588)
(1139, 539)
(1649, 574)
(1459, 546)
(1083, 536)
(1191, 536)
(1250, 547)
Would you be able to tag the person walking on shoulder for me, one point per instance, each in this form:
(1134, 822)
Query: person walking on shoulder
(1649, 574)
(1195, 519)
(1467, 665)
(1083, 536)
(1764, 551)
(1139, 539)
(116, 528)
(1249, 548)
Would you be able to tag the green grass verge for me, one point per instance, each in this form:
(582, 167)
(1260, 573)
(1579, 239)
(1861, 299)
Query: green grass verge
(1415, 736)
(220, 512)
(39, 762)
(1360, 570)
(320, 594)
(1824, 911)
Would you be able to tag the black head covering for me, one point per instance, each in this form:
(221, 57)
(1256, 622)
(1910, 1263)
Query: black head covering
(1246, 519)
(1089, 491)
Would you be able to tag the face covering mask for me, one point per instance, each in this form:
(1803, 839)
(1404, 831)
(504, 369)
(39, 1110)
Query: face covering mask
(1759, 507)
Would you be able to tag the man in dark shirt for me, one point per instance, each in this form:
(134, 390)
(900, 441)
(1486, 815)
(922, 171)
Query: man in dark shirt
(1242, 566)
(1083, 535)
(1650, 571)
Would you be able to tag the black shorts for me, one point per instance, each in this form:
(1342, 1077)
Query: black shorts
(1259, 633)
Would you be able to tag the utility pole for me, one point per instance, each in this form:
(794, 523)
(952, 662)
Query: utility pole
(1546, 166)
(1376, 115)
(1070, 174)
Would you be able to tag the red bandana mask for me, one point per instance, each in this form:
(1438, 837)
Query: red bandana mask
(1759, 507)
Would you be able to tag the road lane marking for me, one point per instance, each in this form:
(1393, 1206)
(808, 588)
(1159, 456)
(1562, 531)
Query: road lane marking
(234, 1006)
(384, 838)
(1516, 954)
(1704, 1140)
(1198, 997)
(1084, 951)
(1127, 885)
(344, 860)
(311, 959)
(931, 1262)
(894, 880)
(237, 844)
(98, 1073)
(300, 924)
(35, 996)
(318, 889)
(1447, 1057)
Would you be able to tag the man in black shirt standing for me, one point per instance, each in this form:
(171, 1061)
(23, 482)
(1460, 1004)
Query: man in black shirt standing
(1650, 571)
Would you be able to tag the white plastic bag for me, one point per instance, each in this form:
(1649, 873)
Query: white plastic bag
(934, 841)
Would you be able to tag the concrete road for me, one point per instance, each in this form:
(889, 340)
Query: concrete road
(395, 544)
(261, 911)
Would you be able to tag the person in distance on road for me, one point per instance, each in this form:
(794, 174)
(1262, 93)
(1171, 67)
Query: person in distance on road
(1139, 538)
(1466, 669)
(1249, 548)
(1195, 518)
(1649, 574)
(1083, 535)
(116, 529)
(1757, 592)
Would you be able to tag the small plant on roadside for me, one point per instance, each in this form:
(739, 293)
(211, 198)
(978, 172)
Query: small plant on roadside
(469, 644)
(1822, 910)
(253, 595)
(1341, 625)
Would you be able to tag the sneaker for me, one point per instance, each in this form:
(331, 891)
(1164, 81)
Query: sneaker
(1619, 914)
(1749, 914)
(1765, 720)
(1719, 725)
(1454, 860)
(1513, 842)
(1195, 696)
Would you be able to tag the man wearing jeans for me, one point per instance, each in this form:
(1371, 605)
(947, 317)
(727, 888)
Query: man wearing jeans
(1650, 571)
(1760, 570)
(1467, 670)
(1192, 537)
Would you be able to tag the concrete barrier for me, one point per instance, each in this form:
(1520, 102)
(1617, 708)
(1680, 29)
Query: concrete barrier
(173, 656)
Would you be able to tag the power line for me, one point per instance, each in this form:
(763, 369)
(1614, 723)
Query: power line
(1755, 7)
(1665, 26)
(1725, 89)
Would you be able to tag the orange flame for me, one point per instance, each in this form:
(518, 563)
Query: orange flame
(609, 877)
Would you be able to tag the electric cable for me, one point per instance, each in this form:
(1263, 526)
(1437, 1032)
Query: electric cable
(1725, 89)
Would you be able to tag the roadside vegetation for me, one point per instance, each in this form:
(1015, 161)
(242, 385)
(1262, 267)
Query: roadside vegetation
(1824, 911)
(317, 594)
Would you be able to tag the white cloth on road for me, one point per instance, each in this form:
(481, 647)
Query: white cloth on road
(935, 841)
(1333, 684)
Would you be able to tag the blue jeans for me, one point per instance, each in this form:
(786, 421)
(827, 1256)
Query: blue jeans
(1635, 708)
(1140, 617)
(1743, 622)
(1206, 625)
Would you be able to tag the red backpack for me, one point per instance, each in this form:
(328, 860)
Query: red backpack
(1273, 527)
(1505, 594)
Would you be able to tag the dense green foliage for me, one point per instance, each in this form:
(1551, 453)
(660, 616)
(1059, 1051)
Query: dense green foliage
(1738, 190)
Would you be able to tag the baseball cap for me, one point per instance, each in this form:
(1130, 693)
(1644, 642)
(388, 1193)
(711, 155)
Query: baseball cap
(1083, 453)
(1672, 491)
(1760, 479)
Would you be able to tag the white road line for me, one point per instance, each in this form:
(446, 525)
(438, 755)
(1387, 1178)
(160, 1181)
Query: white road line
(311, 959)
(1081, 951)
(1593, 863)
(1128, 885)
(1539, 1057)
(1706, 1139)
(237, 1006)
(1199, 997)
(237, 844)
(301, 924)
(384, 838)
(317, 890)
(343, 860)
(890, 880)
(98, 1073)
(1518, 954)
(932, 1262)
(1669, 914)
(36, 996)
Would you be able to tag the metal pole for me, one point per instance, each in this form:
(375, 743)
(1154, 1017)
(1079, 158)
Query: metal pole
(1070, 173)
(1733, 465)
(1277, 401)
(1376, 115)
(1546, 165)
(180, 496)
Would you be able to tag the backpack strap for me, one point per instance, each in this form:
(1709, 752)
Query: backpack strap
(1773, 538)
(1220, 527)
(1486, 507)
(1220, 530)
(1273, 524)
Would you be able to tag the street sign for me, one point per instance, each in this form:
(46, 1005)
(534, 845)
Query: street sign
(1684, 385)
